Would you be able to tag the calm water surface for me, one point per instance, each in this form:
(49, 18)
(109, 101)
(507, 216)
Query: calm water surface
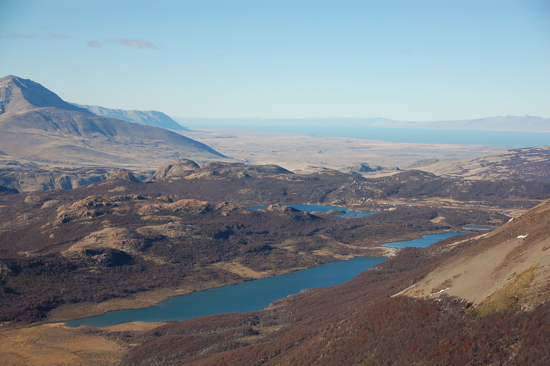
(424, 241)
(321, 208)
(414, 135)
(242, 297)
(252, 295)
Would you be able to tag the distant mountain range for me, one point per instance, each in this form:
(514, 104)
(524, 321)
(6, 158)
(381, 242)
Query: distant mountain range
(37, 125)
(499, 123)
(149, 118)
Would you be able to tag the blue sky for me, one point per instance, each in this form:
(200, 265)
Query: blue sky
(399, 59)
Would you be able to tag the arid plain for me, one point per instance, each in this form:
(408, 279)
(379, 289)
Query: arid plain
(303, 153)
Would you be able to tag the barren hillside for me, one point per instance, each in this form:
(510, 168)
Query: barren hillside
(39, 126)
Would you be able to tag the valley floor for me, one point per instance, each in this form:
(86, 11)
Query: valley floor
(308, 153)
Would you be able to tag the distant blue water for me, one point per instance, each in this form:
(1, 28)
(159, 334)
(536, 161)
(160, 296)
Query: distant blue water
(322, 208)
(409, 135)
(422, 242)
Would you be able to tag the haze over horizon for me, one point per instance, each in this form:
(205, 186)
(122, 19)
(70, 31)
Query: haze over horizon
(402, 60)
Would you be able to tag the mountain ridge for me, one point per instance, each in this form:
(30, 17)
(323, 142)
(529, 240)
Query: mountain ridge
(39, 126)
(18, 94)
(494, 123)
(148, 117)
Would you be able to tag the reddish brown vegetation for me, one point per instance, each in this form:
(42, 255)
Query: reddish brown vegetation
(36, 229)
(355, 324)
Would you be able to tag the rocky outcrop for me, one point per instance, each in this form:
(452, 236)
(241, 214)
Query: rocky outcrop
(223, 170)
(187, 206)
(43, 179)
(120, 239)
(123, 174)
(279, 208)
(360, 168)
(176, 168)
(85, 209)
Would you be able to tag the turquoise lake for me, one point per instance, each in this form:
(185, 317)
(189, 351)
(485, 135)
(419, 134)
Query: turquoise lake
(248, 296)
(424, 241)
(321, 208)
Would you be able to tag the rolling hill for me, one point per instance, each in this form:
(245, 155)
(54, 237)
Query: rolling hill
(525, 164)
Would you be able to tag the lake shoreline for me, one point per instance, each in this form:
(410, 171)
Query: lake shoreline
(148, 299)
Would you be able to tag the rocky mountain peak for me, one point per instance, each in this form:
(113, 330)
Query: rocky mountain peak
(18, 94)
(123, 174)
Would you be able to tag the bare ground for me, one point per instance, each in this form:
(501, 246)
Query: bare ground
(506, 269)
(308, 153)
(55, 344)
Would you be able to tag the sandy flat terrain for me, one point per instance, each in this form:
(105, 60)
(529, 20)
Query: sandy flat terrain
(307, 153)
(55, 344)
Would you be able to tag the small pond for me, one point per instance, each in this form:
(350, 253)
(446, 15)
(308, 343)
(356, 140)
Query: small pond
(424, 241)
(322, 208)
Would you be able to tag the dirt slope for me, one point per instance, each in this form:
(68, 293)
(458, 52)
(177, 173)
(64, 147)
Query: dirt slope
(505, 269)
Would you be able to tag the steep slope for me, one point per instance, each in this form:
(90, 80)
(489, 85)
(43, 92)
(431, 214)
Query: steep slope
(508, 268)
(20, 95)
(39, 126)
(149, 118)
